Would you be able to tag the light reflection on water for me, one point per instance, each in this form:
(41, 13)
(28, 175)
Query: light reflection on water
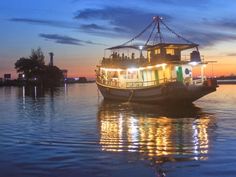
(153, 134)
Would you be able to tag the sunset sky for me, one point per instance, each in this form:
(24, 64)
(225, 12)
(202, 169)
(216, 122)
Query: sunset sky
(77, 31)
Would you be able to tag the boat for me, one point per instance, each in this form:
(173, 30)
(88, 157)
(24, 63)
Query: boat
(154, 71)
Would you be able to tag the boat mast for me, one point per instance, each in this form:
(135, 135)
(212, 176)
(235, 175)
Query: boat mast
(158, 19)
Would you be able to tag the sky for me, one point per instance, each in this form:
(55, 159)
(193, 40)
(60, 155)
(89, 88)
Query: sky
(78, 31)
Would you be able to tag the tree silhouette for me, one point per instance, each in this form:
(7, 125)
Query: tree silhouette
(35, 70)
(52, 76)
(37, 56)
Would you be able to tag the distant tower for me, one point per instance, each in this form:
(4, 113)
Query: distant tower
(51, 58)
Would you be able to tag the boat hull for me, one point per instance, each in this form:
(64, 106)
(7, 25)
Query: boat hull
(166, 93)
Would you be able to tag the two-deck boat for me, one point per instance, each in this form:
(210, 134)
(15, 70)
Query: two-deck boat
(163, 75)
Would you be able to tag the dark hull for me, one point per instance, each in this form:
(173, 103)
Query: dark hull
(166, 93)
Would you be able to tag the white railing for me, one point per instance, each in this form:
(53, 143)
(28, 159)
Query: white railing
(138, 84)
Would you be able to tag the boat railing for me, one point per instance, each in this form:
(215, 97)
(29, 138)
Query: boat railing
(188, 57)
(149, 83)
(132, 84)
(142, 84)
(198, 81)
(114, 62)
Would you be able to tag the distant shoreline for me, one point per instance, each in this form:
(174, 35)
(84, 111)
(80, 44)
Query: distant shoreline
(226, 81)
(18, 83)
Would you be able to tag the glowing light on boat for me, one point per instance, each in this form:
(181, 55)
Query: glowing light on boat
(193, 63)
(111, 69)
(141, 47)
(132, 69)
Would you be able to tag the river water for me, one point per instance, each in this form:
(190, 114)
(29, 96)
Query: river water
(70, 131)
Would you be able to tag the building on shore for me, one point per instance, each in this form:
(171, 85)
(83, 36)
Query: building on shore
(7, 77)
(51, 54)
(65, 73)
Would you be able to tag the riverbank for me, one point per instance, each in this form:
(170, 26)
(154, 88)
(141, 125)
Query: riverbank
(226, 81)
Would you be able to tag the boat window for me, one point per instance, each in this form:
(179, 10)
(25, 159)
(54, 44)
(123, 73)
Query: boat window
(157, 51)
(132, 75)
(149, 55)
(170, 51)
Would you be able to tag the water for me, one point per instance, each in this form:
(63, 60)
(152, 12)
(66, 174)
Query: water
(71, 132)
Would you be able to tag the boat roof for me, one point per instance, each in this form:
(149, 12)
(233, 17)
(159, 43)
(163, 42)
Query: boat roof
(159, 45)
(137, 47)
(173, 46)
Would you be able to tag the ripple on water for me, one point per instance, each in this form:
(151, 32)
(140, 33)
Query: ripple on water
(68, 132)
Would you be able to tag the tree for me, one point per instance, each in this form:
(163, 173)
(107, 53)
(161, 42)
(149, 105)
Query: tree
(24, 65)
(37, 56)
(35, 70)
(52, 76)
(33, 66)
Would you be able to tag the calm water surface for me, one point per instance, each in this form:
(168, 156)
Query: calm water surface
(71, 132)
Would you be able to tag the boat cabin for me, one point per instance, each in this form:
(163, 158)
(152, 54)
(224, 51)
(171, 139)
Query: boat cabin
(170, 52)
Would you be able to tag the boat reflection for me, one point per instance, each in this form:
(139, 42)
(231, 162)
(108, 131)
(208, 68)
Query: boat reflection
(157, 133)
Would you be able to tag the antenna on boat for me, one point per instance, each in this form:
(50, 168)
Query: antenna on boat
(139, 34)
(157, 22)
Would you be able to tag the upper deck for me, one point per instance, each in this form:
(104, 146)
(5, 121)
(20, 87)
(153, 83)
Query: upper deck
(157, 49)
(142, 56)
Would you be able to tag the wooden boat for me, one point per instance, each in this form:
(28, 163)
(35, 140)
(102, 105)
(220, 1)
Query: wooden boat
(163, 75)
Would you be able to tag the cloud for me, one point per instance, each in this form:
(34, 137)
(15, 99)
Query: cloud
(128, 22)
(52, 23)
(119, 18)
(120, 22)
(226, 23)
(208, 38)
(124, 3)
(62, 39)
(92, 26)
(231, 54)
(199, 3)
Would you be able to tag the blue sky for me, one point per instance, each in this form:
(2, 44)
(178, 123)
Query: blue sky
(77, 31)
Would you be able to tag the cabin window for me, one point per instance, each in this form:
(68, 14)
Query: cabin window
(132, 75)
(149, 55)
(170, 51)
(123, 74)
(157, 51)
(103, 73)
(115, 74)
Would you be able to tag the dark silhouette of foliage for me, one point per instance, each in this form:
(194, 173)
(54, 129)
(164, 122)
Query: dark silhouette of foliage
(52, 76)
(36, 71)
(37, 56)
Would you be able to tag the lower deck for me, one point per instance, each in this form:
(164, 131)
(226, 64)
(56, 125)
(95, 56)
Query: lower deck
(149, 76)
(162, 93)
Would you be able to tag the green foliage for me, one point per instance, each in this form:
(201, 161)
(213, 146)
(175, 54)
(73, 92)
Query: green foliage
(34, 69)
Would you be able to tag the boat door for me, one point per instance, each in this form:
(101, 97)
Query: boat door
(179, 73)
(144, 76)
(156, 76)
